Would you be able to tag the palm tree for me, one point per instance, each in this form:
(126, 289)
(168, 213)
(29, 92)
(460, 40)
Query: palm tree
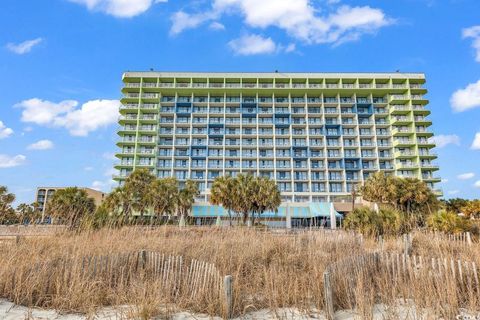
(117, 204)
(265, 196)
(380, 188)
(70, 205)
(471, 209)
(7, 214)
(223, 194)
(244, 186)
(186, 198)
(411, 191)
(26, 213)
(162, 197)
(137, 185)
(6, 200)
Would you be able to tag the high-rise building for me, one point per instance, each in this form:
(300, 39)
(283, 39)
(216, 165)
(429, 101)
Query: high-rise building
(316, 134)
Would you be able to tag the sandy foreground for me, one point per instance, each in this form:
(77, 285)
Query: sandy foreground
(10, 311)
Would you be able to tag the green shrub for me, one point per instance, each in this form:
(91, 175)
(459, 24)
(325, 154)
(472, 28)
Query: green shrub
(449, 222)
(370, 223)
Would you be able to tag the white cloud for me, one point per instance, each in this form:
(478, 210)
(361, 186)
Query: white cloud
(217, 26)
(298, 18)
(4, 131)
(44, 112)
(105, 186)
(477, 184)
(474, 33)
(466, 176)
(468, 98)
(91, 116)
(182, 21)
(444, 180)
(7, 161)
(119, 8)
(443, 140)
(41, 145)
(476, 142)
(452, 192)
(24, 47)
(81, 121)
(252, 44)
(88, 168)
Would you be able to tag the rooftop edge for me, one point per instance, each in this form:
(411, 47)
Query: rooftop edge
(160, 74)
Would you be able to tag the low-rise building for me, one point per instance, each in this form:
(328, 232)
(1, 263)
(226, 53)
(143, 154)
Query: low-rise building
(45, 193)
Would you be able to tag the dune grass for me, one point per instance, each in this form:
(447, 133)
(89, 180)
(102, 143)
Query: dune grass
(270, 270)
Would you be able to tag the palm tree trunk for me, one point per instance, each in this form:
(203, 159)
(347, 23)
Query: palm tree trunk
(245, 218)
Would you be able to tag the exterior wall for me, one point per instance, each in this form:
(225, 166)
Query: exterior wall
(317, 134)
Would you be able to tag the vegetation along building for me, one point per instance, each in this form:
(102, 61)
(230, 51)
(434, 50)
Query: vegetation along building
(43, 194)
(317, 134)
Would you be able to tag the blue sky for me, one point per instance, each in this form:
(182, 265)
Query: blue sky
(61, 63)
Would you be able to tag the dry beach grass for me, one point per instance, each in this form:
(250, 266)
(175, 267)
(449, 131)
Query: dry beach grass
(270, 271)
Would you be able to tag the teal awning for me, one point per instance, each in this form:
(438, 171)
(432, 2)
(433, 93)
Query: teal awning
(313, 210)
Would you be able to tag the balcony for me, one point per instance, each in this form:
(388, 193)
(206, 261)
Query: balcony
(425, 143)
(298, 85)
(401, 120)
(346, 101)
(400, 108)
(380, 100)
(166, 85)
(420, 109)
(402, 131)
(365, 122)
(265, 85)
(216, 85)
(407, 165)
(147, 128)
(405, 154)
(399, 98)
(129, 106)
(423, 121)
(430, 166)
(369, 155)
(417, 98)
(128, 118)
(424, 154)
(149, 96)
(423, 132)
(403, 142)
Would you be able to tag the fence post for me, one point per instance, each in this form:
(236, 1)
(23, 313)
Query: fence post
(469, 239)
(327, 289)
(407, 243)
(380, 240)
(143, 259)
(227, 286)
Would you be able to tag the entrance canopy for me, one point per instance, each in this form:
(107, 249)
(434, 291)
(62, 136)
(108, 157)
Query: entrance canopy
(297, 211)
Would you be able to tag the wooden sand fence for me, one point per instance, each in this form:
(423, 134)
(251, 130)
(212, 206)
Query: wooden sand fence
(179, 280)
(387, 278)
(461, 238)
